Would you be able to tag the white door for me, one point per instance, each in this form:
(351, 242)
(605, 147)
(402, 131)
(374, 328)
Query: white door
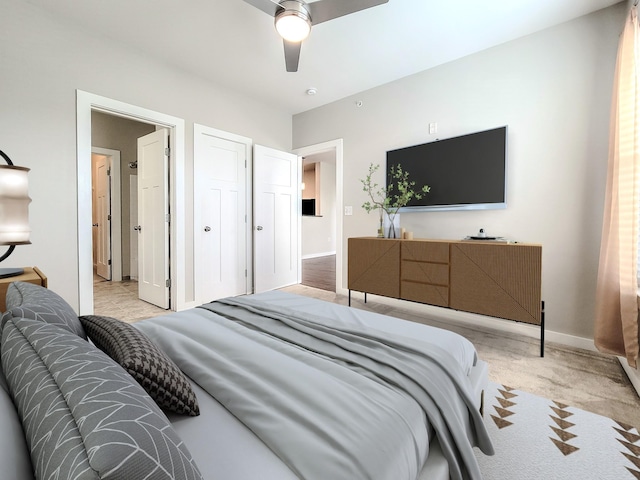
(103, 216)
(153, 218)
(220, 167)
(276, 199)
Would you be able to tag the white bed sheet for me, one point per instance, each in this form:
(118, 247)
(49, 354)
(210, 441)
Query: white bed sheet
(225, 449)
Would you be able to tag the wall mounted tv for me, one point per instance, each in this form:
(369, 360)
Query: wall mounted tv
(468, 172)
(309, 206)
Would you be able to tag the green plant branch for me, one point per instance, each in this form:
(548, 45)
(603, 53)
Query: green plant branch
(382, 198)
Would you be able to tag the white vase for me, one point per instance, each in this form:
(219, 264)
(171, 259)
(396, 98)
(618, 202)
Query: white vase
(391, 228)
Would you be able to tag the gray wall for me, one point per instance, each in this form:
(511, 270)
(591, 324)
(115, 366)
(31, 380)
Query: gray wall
(553, 90)
(43, 63)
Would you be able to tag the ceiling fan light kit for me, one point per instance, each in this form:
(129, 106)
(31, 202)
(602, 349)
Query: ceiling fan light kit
(293, 22)
(294, 19)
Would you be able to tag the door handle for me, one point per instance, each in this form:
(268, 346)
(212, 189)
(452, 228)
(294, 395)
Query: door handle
(259, 227)
(137, 227)
(207, 228)
(94, 225)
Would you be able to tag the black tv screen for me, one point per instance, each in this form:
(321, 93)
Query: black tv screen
(465, 172)
(308, 206)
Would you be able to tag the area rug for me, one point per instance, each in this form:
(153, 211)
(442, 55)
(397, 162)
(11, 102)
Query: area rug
(536, 438)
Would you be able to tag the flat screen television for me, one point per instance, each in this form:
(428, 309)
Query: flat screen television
(309, 206)
(468, 172)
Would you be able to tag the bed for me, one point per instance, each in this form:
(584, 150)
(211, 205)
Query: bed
(277, 403)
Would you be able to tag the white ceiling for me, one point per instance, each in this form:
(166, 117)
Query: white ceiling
(235, 45)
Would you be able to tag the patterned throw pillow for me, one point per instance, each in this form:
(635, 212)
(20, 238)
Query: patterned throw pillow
(82, 415)
(27, 300)
(149, 365)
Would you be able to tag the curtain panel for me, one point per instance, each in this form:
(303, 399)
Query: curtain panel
(616, 323)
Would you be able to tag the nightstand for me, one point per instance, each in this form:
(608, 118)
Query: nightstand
(30, 275)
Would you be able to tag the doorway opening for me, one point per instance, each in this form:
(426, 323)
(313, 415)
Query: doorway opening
(87, 105)
(318, 246)
(321, 231)
(115, 215)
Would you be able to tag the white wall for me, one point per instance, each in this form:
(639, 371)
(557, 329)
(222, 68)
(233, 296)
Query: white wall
(553, 90)
(43, 63)
(319, 233)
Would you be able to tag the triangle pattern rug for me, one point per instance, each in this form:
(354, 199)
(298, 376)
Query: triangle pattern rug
(536, 438)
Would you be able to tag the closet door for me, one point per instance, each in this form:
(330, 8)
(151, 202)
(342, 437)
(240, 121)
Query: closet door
(221, 228)
(277, 207)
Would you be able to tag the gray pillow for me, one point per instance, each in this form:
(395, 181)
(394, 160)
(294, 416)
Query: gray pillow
(27, 300)
(151, 367)
(14, 454)
(83, 416)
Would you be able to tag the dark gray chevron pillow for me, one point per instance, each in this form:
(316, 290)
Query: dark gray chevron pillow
(14, 453)
(27, 300)
(83, 416)
(149, 365)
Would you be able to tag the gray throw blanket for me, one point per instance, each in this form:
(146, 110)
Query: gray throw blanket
(331, 401)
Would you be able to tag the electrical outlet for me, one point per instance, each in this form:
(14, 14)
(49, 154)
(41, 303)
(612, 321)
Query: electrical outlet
(348, 210)
(433, 128)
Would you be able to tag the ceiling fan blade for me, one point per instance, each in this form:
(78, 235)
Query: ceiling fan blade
(292, 55)
(268, 6)
(324, 10)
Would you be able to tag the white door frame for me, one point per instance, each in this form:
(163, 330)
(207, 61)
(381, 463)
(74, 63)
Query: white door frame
(133, 221)
(85, 103)
(116, 215)
(337, 147)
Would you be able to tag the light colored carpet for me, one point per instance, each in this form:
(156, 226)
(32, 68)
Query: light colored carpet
(537, 438)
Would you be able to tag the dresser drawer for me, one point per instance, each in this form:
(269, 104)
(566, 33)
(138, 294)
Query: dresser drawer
(423, 272)
(425, 251)
(424, 293)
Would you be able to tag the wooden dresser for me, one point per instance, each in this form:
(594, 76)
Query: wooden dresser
(30, 275)
(501, 280)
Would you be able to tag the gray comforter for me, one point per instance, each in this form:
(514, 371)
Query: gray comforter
(331, 401)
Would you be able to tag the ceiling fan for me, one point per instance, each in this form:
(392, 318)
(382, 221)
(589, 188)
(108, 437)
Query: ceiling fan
(294, 19)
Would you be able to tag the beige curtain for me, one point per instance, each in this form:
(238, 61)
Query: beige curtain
(616, 327)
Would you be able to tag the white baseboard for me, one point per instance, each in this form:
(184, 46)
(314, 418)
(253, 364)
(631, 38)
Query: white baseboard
(481, 321)
(632, 373)
(316, 255)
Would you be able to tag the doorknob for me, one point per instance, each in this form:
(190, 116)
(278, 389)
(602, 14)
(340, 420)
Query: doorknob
(137, 227)
(207, 228)
(94, 225)
(259, 227)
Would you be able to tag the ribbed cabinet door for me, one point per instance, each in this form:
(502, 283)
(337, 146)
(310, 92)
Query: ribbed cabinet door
(502, 281)
(374, 266)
